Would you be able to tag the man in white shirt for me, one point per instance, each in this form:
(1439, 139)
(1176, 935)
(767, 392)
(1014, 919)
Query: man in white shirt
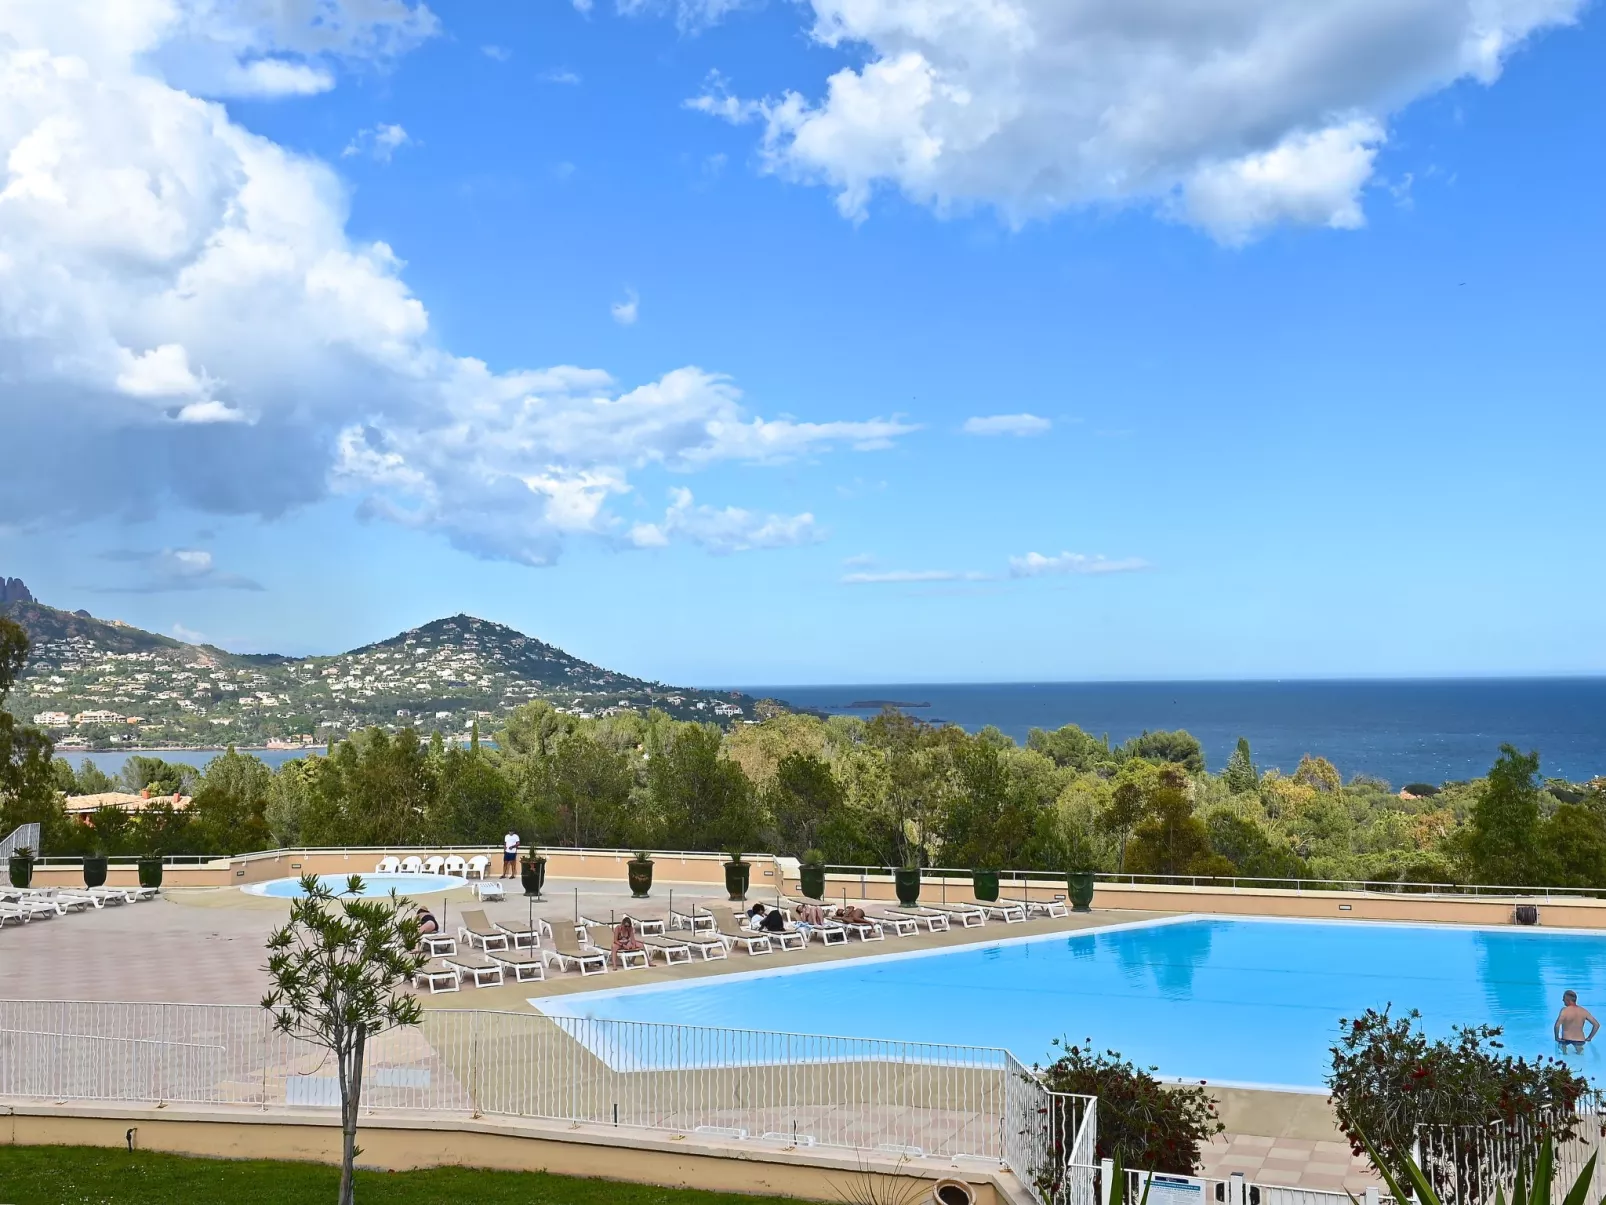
(510, 855)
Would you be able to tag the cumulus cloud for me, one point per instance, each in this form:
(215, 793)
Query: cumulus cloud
(726, 530)
(145, 242)
(1035, 564)
(169, 569)
(1006, 424)
(625, 312)
(561, 75)
(1232, 116)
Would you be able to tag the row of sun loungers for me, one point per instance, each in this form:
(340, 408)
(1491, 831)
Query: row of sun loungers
(468, 868)
(19, 905)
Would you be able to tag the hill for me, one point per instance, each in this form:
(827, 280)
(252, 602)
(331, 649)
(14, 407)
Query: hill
(103, 684)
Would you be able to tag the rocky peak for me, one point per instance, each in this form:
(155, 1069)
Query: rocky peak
(13, 591)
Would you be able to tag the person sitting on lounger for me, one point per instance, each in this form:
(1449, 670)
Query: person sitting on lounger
(769, 920)
(427, 923)
(625, 941)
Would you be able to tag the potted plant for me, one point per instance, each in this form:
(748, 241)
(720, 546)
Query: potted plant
(533, 873)
(812, 874)
(906, 881)
(984, 884)
(639, 871)
(736, 876)
(94, 870)
(1081, 885)
(150, 870)
(22, 867)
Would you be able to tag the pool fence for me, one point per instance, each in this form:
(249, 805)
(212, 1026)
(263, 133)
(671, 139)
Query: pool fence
(1468, 1164)
(746, 1086)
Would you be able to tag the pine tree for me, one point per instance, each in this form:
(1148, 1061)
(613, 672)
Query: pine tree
(1240, 774)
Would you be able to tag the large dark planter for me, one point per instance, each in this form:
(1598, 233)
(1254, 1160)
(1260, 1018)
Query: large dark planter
(639, 871)
(736, 876)
(150, 872)
(1081, 884)
(906, 881)
(21, 870)
(813, 881)
(985, 884)
(94, 871)
(532, 875)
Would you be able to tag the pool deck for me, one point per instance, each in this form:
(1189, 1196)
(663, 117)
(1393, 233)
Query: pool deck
(206, 946)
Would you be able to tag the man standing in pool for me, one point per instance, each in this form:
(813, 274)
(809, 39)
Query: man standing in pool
(510, 855)
(1570, 1022)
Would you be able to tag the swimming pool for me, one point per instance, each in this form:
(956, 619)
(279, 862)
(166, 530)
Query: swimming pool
(1234, 1001)
(372, 885)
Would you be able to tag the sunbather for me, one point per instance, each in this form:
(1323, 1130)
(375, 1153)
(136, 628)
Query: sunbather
(625, 941)
(809, 914)
(427, 923)
(852, 914)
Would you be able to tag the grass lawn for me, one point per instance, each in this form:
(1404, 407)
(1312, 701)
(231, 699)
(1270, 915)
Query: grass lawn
(89, 1175)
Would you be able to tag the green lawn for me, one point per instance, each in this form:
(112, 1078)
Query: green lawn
(87, 1175)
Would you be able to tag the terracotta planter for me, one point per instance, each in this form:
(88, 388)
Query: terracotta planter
(985, 884)
(1081, 885)
(736, 878)
(94, 871)
(813, 881)
(532, 875)
(906, 881)
(639, 872)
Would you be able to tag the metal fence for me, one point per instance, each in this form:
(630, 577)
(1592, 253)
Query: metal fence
(24, 836)
(1468, 1164)
(906, 1098)
(1166, 1189)
(1049, 1139)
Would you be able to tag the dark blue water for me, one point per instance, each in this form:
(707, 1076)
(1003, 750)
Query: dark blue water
(1423, 731)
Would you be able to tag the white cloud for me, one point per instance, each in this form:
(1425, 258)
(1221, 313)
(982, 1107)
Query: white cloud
(1233, 116)
(500, 54)
(892, 576)
(382, 141)
(727, 530)
(625, 312)
(561, 75)
(188, 635)
(143, 238)
(859, 560)
(690, 15)
(1035, 564)
(167, 570)
(1006, 424)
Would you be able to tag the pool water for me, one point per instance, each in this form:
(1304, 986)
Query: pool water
(1234, 1001)
(372, 885)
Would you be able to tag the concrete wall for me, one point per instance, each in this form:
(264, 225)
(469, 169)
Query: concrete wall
(403, 1143)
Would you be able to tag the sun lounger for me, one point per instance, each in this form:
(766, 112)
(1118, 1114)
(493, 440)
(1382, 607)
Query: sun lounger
(477, 866)
(709, 945)
(902, 926)
(110, 895)
(437, 978)
(968, 915)
(438, 944)
(673, 951)
(389, 864)
(697, 920)
(454, 864)
(1048, 907)
(522, 964)
(18, 915)
(753, 943)
(646, 924)
(565, 949)
(865, 930)
(412, 864)
(936, 922)
(477, 931)
(1008, 911)
(476, 967)
(433, 864)
(489, 889)
(524, 938)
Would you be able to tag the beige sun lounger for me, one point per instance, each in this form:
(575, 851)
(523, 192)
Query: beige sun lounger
(475, 930)
(1011, 912)
(697, 920)
(674, 951)
(565, 949)
(935, 922)
(476, 967)
(1049, 907)
(707, 944)
(968, 915)
(901, 926)
(437, 978)
(646, 924)
(524, 965)
(753, 943)
(523, 938)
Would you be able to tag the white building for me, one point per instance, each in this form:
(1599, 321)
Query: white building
(97, 717)
(52, 719)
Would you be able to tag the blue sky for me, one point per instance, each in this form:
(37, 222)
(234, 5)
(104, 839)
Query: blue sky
(1299, 373)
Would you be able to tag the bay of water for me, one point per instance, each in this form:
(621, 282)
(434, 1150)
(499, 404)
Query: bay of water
(111, 761)
(1402, 731)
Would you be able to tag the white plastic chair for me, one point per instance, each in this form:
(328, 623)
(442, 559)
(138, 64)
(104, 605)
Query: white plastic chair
(433, 864)
(389, 864)
(412, 864)
(477, 866)
(455, 864)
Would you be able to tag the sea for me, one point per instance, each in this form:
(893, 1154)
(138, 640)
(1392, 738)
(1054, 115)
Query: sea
(1400, 731)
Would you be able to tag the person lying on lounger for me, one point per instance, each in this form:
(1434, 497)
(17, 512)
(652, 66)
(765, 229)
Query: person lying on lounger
(852, 914)
(625, 941)
(427, 923)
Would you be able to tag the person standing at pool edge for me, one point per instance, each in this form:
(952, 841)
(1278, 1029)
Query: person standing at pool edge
(510, 855)
(1570, 1022)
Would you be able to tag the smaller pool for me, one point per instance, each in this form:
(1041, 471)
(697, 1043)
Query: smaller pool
(372, 884)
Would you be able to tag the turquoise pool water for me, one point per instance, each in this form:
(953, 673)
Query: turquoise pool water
(1231, 1001)
(372, 884)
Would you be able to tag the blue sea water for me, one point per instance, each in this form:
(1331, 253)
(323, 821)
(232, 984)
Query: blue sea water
(1226, 1000)
(1402, 731)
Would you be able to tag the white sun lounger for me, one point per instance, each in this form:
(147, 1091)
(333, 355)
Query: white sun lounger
(565, 949)
(697, 920)
(1050, 907)
(522, 964)
(524, 938)
(673, 951)
(389, 864)
(902, 926)
(935, 922)
(646, 924)
(412, 864)
(454, 864)
(433, 864)
(489, 889)
(477, 866)
(476, 967)
(437, 978)
(754, 943)
(475, 930)
(1011, 912)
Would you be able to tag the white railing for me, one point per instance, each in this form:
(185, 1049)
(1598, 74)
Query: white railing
(24, 836)
(1049, 1139)
(905, 1097)
(1467, 1164)
(1164, 1188)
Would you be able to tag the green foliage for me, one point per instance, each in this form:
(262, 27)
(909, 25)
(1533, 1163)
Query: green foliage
(1178, 748)
(1070, 748)
(1422, 790)
(1171, 839)
(27, 779)
(1533, 1182)
(1140, 1121)
(1240, 775)
(142, 773)
(806, 802)
(1388, 1078)
(339, 968)
(1253, 852)
(1502, 845)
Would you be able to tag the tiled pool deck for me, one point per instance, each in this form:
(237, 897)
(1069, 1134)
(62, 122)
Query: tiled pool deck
(205, 946)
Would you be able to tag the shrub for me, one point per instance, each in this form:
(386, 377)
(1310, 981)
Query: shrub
(1388, 1078)
(1422, 790)
(1146, 1124)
